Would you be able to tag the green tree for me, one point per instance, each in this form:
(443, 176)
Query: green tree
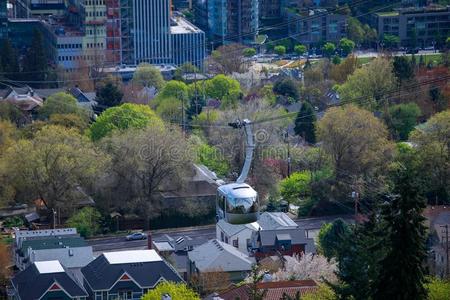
(355, 140)
(109, 92)
(69, 121)
(391, 41)
(184, 69)
(447, 43)
(433, 140)
(328, 49)
(9, 61)
(438, 289)
(211, 157)
(296, 187)
(58, 166)
(368, 86)
(300, 49)
(249, 52)
(401, 270)
(10, 112)
(35, 65)
(62, 103)
(346, 45)
(403, 69)
(402, 119)
(176, 291)
(225, 89)
(331, 237)
(355, 30)
(323, 292)
(123, 117)
(174, 88)
(144, 163)
(288, 88)
(148, 76)
(305, 123)
(280, 50)
(86, 221)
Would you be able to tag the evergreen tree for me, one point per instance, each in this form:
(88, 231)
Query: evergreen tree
(109, 93)
(358, 254)
(35, 64)
(305, 123)
(401, 271)
(8, 60)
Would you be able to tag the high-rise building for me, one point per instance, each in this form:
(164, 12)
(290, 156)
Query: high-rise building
(3, 19)
(188, 43)
(145, 30)
(113, 35)
(233, 20)
(94, 40)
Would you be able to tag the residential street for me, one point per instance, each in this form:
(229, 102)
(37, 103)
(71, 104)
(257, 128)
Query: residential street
(311, 225)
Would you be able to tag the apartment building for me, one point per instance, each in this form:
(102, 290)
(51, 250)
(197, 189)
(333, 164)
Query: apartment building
(416, 27)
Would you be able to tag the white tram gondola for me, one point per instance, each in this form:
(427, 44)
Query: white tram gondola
(237, 203)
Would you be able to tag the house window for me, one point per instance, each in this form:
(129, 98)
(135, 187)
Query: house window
(226, 239)
(125, 294)
(222, 236)
(236, 243)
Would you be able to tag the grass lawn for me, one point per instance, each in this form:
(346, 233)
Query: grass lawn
(433, 58)
(364, 60)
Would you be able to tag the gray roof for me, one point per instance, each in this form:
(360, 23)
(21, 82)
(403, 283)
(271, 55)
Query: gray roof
(275, 220)
(32, 284)
(77, 257)
(216, 255)
(295, 235)
(267, 221)
(101, 274)
(53, 242)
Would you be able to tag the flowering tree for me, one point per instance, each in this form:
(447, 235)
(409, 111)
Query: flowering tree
(308, 266)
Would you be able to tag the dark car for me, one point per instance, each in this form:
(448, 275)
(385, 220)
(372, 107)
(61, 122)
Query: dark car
(136, 236)
(412, 51)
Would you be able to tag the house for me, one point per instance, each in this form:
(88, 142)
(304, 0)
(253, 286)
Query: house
(176, 249)
(64, 245)
(24, 98)
(71, 251)
(126, 274)
(288, 241)
(214, 256)
(239, 236)
(275, 290)
(46, 280)
(84, 99)
(438, 222)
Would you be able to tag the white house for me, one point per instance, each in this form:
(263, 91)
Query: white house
(239, 236)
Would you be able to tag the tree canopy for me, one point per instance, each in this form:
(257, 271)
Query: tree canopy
(329, 49)
(123, 117)
(62, 103)
(176, 291)
(148, 76)
(305, 123)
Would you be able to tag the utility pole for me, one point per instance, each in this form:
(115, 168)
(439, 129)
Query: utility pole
(286, 137)
(446, 249)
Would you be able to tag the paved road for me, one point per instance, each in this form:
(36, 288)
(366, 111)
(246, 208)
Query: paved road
(203, 233)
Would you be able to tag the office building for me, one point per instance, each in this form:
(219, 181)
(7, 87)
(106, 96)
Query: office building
(188, 43)
(233, 21)
(312, 27)
(113, 37)
(145, 31)
(416, 27)
(200, 9)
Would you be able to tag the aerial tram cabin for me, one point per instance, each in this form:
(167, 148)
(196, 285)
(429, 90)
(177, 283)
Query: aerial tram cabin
(237, 203)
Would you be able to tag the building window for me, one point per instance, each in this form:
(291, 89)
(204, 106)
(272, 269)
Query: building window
(236, 243)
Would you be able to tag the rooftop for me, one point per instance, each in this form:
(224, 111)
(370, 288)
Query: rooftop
(388, 14)
(51, 266)
(132, 256)
(182, 26)
(215, 255)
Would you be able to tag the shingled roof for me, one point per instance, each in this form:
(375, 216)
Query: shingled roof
(40, 277)
(275, 290)
(145, 267)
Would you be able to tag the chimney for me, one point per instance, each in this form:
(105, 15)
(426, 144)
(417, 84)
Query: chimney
(149, 240)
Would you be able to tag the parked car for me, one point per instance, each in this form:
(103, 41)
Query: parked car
(412, 51)
(136, 236)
